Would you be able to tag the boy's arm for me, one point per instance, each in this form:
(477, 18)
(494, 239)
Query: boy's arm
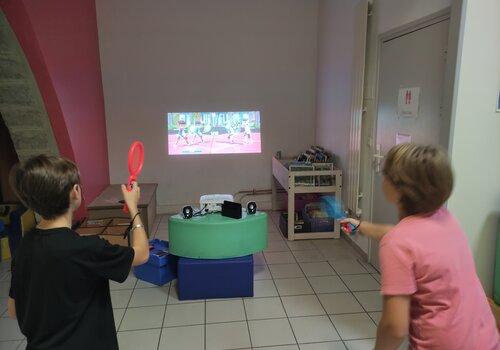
(140, 242)
(393, 327)
(11, 306)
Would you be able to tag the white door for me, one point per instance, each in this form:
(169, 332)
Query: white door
(409, 63)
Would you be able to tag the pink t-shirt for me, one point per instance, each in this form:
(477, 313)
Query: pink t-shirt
(429, 258)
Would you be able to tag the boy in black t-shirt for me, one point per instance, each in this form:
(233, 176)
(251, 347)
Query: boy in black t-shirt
(60, 280)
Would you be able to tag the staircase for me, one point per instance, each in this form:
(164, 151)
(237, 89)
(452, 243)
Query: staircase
(21, 105)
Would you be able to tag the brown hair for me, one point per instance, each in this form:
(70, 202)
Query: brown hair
(422, 175)
(43, 183)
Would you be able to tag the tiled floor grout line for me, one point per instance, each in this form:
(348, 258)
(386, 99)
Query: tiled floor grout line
(248, 325)
(354, 295)
(205, 329)
(284, 309)
(128, 303)
(322, 306)
(164, 314)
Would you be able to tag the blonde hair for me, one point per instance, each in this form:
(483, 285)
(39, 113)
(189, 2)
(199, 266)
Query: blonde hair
(422, 175)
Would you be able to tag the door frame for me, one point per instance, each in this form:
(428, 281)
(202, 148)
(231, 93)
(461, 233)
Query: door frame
(454, 14)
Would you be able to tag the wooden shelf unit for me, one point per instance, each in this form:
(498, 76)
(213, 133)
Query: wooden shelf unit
(283, 177)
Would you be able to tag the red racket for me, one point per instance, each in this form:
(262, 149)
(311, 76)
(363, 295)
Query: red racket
(135, 162)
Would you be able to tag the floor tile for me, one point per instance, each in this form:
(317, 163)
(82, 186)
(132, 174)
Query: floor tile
(354, 326)
(286, 271)
(3, 305)
(5, 286)
(144, 340)
(327, 284)
(258, 259)
(336, 345)
(371, 301)
(338, 252)
(149, 297)
(279, 258)
(185, 314)
(340, 303)
(347, 266)
(120, 298)
(280, 347)
(376, 316)
(144, 284)
(128, 284)
(277, 246)
(183, 338)
(362, 344)
(223, 336)
(9, 330)
(173, 297)
(315, 269)
(5, 277)
(300, 245)
(369, 267)
(274, 236)
(313, 329)
(271, 332)
(308, 256)
(225, 311)
(264, 308)
(118, 315)
(142, 318)
(10, 345)
(272, 227)
(377, 277)
(360, 282)
(264, 288)
(261, 272)
(303, 305)
(293, 286)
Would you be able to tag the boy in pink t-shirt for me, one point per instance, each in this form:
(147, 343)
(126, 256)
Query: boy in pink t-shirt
(429, 282)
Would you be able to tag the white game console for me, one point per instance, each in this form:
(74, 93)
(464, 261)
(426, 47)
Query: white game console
(210, 203)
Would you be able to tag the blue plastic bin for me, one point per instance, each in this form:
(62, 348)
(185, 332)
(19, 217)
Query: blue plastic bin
(161, 267)
(217, 278)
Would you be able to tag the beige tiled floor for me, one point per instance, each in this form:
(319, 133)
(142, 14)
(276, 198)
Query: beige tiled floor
(308, 295)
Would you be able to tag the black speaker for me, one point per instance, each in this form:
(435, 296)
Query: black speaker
(187, 212)
(231, 210)
(251, 208)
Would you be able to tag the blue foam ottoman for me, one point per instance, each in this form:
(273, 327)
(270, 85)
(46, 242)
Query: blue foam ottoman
(161, 267)
(215, 278)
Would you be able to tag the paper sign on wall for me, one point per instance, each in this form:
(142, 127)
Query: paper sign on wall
(402, 138)
(408, 102)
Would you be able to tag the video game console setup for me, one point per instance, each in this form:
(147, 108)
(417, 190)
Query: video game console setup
(210, 249)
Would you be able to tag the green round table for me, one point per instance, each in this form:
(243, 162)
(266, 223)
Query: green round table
(214, 236)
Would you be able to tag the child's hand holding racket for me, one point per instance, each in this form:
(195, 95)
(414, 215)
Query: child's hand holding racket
(350, 225)
(132, 197)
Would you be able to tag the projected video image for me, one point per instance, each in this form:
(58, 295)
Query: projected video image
(213, 132)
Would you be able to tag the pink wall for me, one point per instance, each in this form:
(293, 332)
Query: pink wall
(60, 41)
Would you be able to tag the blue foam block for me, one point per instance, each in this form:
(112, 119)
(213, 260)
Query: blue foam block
(161, 267)
(215, 278)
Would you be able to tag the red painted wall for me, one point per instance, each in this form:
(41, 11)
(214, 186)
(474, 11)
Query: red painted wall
(60, 41)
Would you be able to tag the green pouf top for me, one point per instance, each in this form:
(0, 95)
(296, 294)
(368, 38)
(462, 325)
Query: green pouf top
(214, 236)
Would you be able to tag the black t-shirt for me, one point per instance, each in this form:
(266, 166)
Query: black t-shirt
(60, 283)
